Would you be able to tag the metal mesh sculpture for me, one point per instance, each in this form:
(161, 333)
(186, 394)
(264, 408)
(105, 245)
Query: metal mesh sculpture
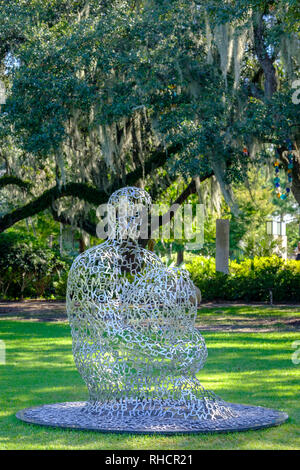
(135, 343)
(133, 327)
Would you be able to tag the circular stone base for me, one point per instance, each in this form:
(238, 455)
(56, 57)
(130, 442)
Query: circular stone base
(70, 415)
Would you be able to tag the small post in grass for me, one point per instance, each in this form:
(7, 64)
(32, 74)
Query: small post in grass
(271, 296)
(222, 246)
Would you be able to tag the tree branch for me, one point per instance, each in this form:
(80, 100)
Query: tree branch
(80, 190)
(158, 159)
(84, 191)
(7, 180)
(168, 216)
(90, 227)
(83, 224)
(266, 62)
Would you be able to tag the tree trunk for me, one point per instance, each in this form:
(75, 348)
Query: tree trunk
(271, 86)
(265, 60)
(296, 171)
(82, 245)
(180, 257)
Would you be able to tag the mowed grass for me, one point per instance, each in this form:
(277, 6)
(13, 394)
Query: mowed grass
(260, 316)
(251, 311)
(250, 368)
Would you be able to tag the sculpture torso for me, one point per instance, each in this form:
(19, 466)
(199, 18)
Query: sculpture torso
(127, 278)
(122, 297)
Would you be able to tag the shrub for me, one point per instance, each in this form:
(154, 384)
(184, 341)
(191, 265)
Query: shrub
(60, 285)
(31, 269)
(250, 280)
(27, 268)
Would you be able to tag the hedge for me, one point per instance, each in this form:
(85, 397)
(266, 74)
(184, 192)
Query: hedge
(249, 280)
(29, 269)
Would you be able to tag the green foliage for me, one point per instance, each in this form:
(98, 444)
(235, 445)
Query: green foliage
(154, 56)
(248, 236)
(250, 280)
(77, 67)
(292, 231)
(248, 229)
(27, 267)
(60, 285)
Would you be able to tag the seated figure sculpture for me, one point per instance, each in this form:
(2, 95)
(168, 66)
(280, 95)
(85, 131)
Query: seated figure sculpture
(133, 328)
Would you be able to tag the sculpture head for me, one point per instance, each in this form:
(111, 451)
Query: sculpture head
(128, 213)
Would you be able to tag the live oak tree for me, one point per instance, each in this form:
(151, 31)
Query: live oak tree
(106, 94)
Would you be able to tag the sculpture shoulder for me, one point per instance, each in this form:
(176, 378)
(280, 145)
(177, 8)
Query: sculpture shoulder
(109, 257)
(98, 255)
(150, 257)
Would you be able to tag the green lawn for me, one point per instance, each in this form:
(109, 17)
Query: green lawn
(252, 311)
(253, 368)
(258, 317)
